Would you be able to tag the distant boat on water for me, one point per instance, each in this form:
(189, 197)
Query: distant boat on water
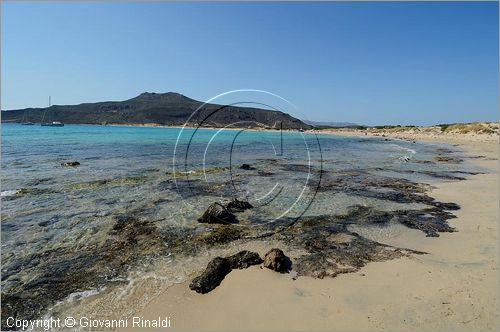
(50, 124)
(53, 124)
(25, 119)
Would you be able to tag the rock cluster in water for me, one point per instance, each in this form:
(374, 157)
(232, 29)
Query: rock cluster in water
(218, 213)
(235, 205)
(71, 163)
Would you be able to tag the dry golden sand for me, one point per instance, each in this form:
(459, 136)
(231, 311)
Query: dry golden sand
(454, 287)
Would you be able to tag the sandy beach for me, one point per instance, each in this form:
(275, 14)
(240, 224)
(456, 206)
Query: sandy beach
(453, 287)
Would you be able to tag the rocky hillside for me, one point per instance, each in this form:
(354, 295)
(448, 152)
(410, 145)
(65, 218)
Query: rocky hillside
(168, 109)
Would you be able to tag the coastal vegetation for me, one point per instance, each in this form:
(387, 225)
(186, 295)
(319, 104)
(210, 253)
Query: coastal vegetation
(471, 128)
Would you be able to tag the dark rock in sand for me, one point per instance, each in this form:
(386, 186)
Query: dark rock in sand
(244, 259)
(217, 214)
(276, 260)
(237, 205)
(447, 206)
(71, 163)
(219, 267)
(247, 167)
(213, 275)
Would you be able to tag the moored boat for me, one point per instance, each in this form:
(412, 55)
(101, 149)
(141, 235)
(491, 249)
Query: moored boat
(53, 124)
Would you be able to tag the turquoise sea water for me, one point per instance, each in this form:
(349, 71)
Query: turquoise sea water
(56, 218)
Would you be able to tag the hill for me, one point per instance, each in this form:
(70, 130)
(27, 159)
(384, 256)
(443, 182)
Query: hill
(169, 109)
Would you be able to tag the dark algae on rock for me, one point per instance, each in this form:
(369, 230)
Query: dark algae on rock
(333, 249)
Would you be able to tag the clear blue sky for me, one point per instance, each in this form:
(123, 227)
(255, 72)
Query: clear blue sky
(370, 63)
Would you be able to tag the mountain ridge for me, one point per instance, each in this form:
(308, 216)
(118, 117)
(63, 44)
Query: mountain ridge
(168, 109)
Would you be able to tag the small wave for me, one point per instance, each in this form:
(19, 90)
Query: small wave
(8, 193)
(410, 150)
(399, 147)
(404, 159)
(408, 153)
(81, 295)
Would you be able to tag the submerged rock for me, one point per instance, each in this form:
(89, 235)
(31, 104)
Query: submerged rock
(217, 214)
(276, 260)
(244, 259)
(71, 163)
(448, 159)
(213, 275)
(247, 167)
(237, 205)
(220, 235)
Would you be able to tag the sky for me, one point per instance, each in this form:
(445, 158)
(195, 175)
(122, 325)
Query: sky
(370, 63)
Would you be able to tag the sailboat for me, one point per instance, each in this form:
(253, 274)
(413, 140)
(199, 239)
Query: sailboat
(25, 117)
(50, 124)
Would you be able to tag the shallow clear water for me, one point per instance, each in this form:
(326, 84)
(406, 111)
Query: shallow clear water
(169, 176)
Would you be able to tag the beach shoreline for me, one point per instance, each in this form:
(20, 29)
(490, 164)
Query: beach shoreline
(453, 287)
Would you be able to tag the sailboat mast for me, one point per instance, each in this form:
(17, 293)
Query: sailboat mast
(53, 123)
(45, 111)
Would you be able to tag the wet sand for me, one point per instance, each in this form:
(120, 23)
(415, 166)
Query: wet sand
(454, 287)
